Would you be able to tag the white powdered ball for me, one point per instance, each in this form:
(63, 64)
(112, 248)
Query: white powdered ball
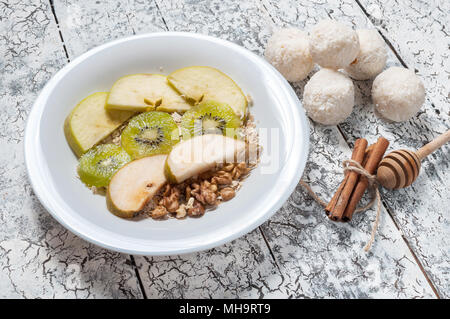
(288, 51)
(398, 94)
(333, 45)
(371, 58)
(329, 97)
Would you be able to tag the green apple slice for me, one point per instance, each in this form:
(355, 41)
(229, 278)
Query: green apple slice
(145, 92)
(203, 83)
(135, 184)
(200, 154)
(89, 122)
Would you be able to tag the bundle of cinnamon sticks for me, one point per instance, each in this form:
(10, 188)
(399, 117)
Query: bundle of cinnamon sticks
(344, 202)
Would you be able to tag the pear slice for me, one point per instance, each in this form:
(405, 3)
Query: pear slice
(145, 92)
(89, 122)
(135, 184)
(203, 83)
(200, 154)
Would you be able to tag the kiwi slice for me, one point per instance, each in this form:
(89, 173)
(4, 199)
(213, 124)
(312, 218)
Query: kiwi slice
(210, 117)
(150, 133)
(99, 164)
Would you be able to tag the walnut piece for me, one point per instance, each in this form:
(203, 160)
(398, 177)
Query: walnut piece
(195, 188)
(181, 212)
(171, 205)
(190, 203)
(242, 168)
(207, 194)
(159, 212)
(166, 190)
(188, 192)
(222, 178)
(227, 193)
(228, 167)
(236, 173)
(213, 188)
(196, 210)
(170, 199)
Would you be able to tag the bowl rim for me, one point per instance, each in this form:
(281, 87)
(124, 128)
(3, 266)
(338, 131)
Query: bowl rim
(296, 160)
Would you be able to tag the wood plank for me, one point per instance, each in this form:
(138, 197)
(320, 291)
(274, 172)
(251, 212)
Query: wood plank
(240, 269)
(323, 259)
(226, 275)
(38, 257)
(419, 211)
(87, 24)
(419, 32)
(316, 257)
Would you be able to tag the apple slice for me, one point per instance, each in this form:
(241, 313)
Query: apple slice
(202, 83)
(135, 184)
(145, 92)
(200, 154)
(89, 122)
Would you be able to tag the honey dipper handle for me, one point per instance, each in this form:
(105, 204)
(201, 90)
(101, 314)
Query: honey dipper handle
(429, 148)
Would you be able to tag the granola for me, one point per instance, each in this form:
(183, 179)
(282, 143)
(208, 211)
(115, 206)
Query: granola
(199, 194)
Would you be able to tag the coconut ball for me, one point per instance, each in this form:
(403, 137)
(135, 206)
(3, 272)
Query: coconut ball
(398, 94)
(329, 97)
(371, 58)
(333, 45)
(288, 51)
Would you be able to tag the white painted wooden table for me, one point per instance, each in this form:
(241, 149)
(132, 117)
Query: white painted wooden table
(298, 253)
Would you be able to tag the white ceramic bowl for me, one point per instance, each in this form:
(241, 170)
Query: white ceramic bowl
(51, 164)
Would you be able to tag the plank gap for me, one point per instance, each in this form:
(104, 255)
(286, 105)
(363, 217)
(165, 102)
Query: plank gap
(133, 262)
(381, 34)
(52, 6)
(268, 12)
(138, 276)
(425, 274)
(270, 250)
(342, 133)
(344, 136)
(385, 204)
(162, 16)
(260, 228)
(129, 23)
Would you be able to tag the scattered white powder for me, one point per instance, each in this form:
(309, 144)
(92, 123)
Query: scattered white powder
(190, 203)
(249, 100)
(236, 185)
(249, 132)
(176, 117)
(150, 206)
(98, 190)
(114, 137)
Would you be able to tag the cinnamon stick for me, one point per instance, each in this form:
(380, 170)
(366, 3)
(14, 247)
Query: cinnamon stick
(373, 160)
(335, 209)
(332, 204)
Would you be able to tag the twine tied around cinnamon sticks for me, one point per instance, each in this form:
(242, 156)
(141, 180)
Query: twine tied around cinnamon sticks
(358, 176)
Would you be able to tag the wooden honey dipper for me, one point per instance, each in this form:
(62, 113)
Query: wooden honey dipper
(400, 168)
